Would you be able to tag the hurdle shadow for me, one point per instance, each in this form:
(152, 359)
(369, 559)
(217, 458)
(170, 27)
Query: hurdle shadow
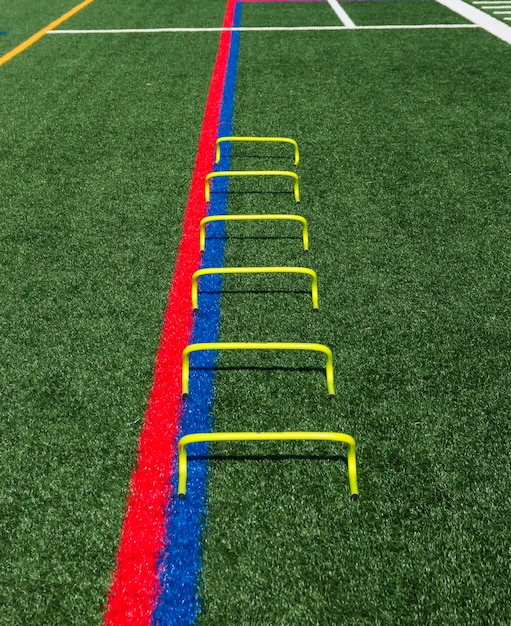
(218, 456)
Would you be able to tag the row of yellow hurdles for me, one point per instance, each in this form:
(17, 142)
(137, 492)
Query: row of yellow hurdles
(259, 436)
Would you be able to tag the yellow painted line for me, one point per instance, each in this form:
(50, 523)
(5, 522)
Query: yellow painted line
(40, 34)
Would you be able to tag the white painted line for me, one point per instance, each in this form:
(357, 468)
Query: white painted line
(490, 24)
(341, 14)
(118, 31)
(416, 26)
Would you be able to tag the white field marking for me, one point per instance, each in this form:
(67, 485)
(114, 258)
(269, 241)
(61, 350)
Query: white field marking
(490, 24)
(415, 26)
(341, 14)
(118, 31)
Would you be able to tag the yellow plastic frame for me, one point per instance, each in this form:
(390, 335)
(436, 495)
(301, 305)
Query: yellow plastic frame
(255, 270)
(296, 188)
(268, 436)
(260, 139)
(253, 217)
(243, 345)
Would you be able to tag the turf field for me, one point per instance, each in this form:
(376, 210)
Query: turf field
(405, 181)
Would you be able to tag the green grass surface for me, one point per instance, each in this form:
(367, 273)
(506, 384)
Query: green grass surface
(149, 14)
(97, 148)
(23, 18)
(400, 12)
(405, 182)
(288, 14)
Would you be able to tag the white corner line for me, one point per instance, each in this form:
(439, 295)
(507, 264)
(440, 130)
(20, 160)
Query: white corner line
(487, 22)
(341, 14)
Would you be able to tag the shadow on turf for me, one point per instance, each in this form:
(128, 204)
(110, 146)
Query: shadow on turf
(252, 192)
(259, 291)
(257, 368)
(268, 457)
(276, 157)
(257, 237)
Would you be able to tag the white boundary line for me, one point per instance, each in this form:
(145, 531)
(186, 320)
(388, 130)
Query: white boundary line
(489, 23)
(341, 14)
(116, 31)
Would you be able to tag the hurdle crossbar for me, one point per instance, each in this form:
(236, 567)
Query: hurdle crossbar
(271, 345)
(296, 188)
(268, 436)
(253, 217)
(221, 140)
(254, 270)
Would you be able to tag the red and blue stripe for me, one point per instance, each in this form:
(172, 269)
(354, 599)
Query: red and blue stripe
(179, 565)
(156, 576)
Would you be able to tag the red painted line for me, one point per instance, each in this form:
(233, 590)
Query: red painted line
(135, 585)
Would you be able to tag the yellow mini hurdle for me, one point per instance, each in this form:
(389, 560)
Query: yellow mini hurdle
(271, 345)
(268, 436)
(254, 217)
(255, 270)
(296, 189)
(260, 139)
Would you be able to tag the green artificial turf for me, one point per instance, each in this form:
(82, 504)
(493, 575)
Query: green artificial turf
(400, 12)
(23, 18)
(97, 145)
(288, 14)
(405, 180)
(149, 14)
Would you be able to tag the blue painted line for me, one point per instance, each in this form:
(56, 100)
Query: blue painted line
(3, 32)
(180, 565)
